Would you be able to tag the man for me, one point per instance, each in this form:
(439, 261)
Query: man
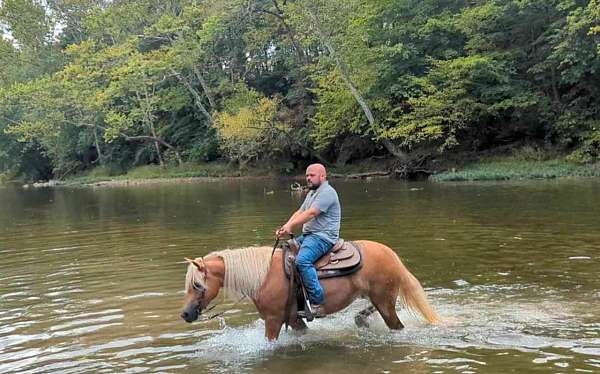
(320, 216)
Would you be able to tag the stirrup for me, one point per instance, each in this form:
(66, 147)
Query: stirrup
(305, 314)
(310, 314)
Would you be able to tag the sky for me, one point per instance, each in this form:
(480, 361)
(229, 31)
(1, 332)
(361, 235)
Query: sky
(6, 34)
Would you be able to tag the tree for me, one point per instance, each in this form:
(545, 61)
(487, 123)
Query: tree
(248, 126)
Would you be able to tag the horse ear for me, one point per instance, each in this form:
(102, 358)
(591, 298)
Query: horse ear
(199, 264)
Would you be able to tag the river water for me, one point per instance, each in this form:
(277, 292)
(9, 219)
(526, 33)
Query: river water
(91, 279)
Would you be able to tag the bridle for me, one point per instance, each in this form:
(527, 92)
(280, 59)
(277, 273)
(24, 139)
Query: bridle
(202, 290)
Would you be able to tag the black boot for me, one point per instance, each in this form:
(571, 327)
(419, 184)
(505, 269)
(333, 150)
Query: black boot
(318, 311)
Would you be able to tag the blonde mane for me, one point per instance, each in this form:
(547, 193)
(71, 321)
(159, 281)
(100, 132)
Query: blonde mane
(245, 271)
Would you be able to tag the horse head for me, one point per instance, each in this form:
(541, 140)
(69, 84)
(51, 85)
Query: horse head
(201, 287)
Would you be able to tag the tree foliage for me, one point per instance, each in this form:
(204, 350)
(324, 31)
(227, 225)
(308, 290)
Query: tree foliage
(94, 82)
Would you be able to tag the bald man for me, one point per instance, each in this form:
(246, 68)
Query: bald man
(320, 216)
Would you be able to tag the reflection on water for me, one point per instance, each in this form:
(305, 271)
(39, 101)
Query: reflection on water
(91, 279)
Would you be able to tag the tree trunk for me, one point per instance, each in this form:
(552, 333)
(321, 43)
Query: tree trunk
(368, 174)
(195, 94)
(393, 149)
(156, 145)
(555, 86)
(145, 138)
(346, 78)
(97, 144)
(155, 140)
(150, 123)
(204, 86)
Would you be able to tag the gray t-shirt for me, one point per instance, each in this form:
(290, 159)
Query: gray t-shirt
(327, 223)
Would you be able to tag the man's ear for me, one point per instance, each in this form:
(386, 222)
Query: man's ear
(198, 263)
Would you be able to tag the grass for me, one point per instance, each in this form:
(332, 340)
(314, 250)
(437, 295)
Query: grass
(511, 168)
(187, 170)
(214, 169)
(6, 177)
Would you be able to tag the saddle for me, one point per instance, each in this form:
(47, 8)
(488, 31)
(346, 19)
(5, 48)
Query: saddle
(344, 258)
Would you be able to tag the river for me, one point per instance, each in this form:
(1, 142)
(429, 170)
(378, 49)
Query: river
(91, 279)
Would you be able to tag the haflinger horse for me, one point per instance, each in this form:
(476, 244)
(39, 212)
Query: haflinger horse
(258, 273)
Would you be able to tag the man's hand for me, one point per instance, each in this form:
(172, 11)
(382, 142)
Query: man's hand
(297, 219)
(283, 230)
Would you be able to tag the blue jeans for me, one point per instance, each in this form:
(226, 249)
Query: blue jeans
(312, 247)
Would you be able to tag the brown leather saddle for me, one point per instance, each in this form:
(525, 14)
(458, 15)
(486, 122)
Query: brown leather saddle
(344, 258)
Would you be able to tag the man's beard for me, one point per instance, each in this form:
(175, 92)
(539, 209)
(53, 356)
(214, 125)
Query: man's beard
(313, 186)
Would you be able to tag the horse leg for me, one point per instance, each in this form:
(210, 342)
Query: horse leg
(272, 328)
(361, 318)
(385, 302)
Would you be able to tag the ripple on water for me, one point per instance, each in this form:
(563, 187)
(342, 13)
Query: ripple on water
(85, 321)
(492, 324)
(595, 351)
(108, 296)
(142, 295)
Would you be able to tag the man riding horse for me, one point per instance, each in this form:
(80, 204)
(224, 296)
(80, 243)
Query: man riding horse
(320, 216)
(259, 272)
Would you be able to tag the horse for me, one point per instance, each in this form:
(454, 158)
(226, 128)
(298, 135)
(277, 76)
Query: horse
(258, 273)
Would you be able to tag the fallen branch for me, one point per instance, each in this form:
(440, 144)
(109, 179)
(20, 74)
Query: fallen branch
(362, 175)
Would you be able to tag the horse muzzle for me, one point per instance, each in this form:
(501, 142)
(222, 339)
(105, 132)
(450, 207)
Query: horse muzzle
(190, 315)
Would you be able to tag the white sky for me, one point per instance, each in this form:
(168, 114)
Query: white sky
(58, 27)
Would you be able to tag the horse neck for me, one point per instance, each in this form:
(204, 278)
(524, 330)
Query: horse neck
(216, 269)
(244, 270)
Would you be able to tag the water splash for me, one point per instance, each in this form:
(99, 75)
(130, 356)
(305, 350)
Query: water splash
(477, 318)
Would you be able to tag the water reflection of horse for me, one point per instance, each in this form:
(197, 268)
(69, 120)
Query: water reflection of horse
(253, 273)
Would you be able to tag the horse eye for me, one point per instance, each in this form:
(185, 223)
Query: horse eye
(198, 286)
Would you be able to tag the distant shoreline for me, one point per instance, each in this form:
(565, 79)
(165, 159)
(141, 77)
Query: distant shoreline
(485, 169)
(134, 182)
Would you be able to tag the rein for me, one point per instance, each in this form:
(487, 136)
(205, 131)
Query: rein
(208, 318)
(274, 246)
(277, 242)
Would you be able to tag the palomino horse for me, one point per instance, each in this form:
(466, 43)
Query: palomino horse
(252, 272)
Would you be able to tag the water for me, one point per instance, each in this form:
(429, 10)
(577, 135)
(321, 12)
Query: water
(91, 279)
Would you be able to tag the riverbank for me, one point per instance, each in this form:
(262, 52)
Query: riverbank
(500, 169)
(497, 168)
(155, 174)
(192, 173)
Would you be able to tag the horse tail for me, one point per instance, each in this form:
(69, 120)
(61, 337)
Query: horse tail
(413, 297)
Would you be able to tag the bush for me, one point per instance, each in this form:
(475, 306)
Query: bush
(248, 128)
